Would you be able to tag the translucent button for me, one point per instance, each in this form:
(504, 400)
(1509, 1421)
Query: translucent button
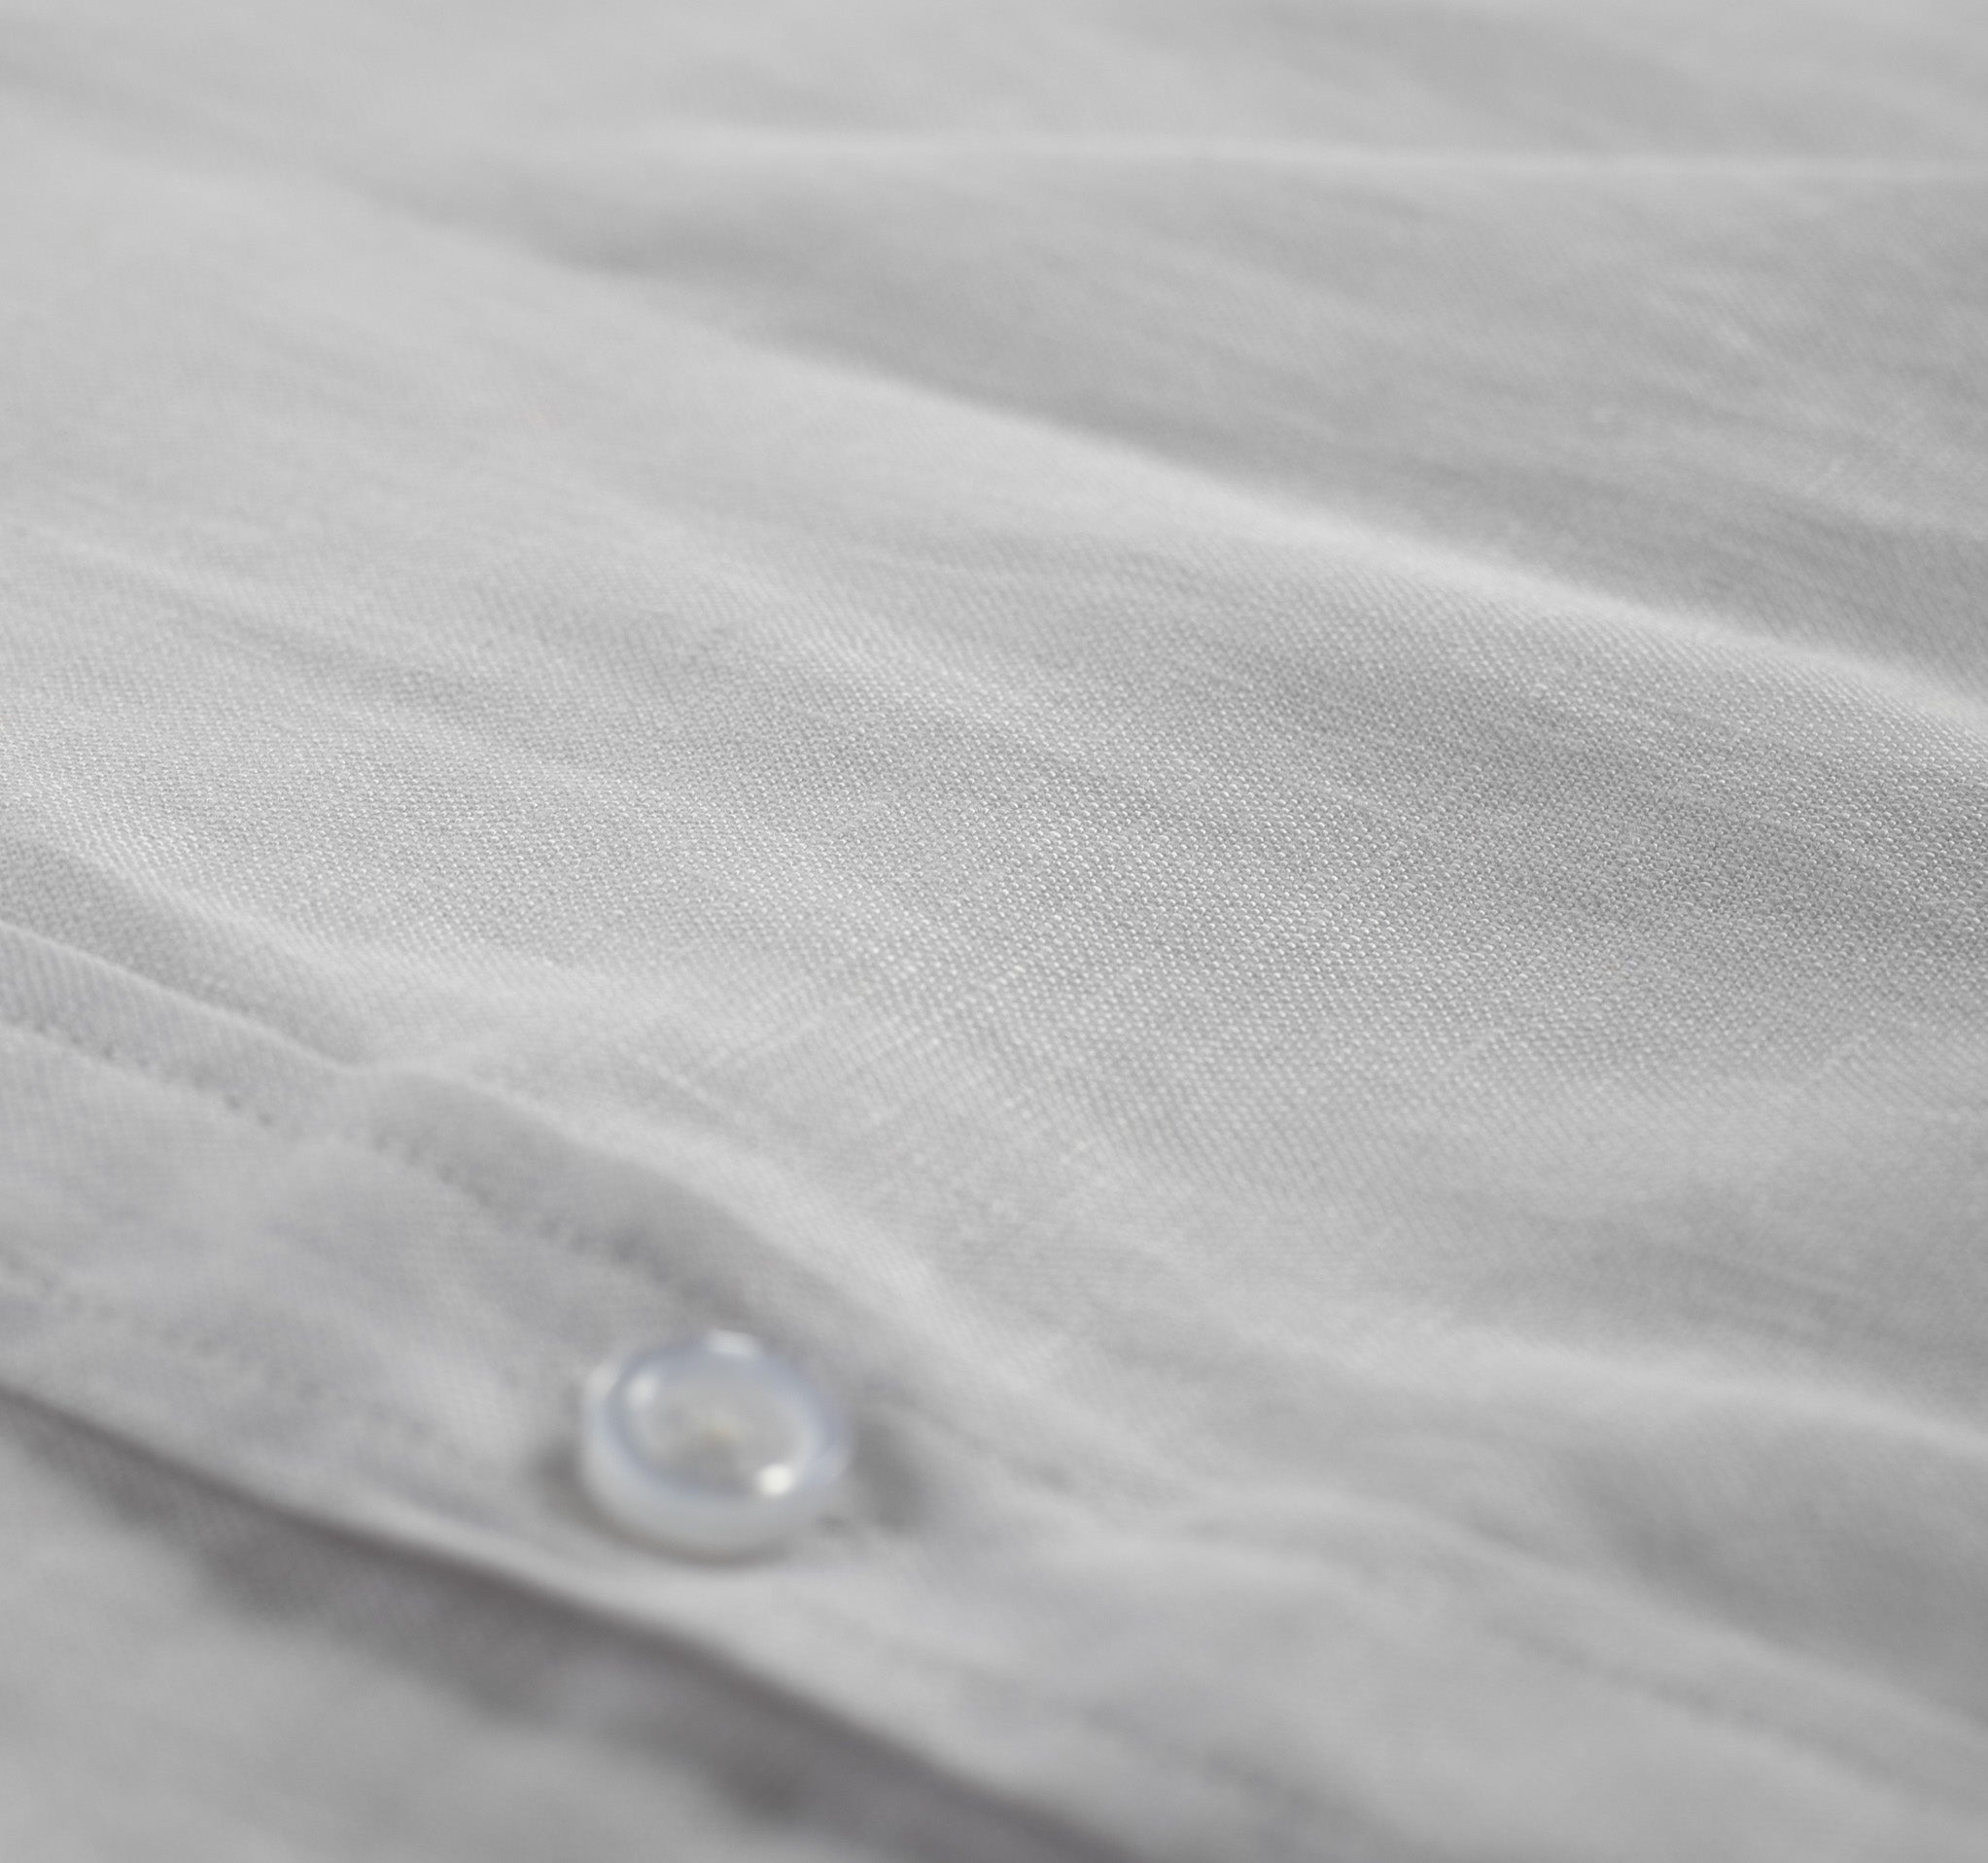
(715, 1446)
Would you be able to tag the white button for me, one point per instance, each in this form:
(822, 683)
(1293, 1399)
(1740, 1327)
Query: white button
(714, 1446)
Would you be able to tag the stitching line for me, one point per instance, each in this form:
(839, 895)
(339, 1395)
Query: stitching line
(315, 1396)
(309, 1392)
(578, 1242)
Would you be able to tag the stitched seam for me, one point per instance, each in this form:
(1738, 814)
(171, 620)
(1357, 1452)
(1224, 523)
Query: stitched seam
(1689, 1703)
(632, 1262)
(200, 1350)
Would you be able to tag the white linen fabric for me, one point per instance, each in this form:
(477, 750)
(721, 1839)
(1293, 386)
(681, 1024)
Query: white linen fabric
(1236, 752)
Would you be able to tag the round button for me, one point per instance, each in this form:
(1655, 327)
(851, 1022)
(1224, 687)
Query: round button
(714, 1446)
